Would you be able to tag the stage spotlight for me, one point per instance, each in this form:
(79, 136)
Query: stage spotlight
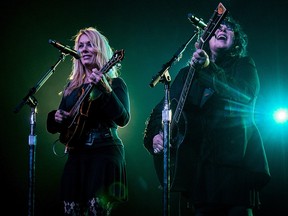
(281, 115)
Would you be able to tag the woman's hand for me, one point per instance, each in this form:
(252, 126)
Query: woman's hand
(158, 143)
(200, 59)
(96, 77)
(61, 115)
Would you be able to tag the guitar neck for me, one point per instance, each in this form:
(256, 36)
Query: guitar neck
(219, 14)
(183, 96)
(85, 91)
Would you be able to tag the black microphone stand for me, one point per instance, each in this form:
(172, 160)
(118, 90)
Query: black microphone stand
(31, 101)
(164, 77)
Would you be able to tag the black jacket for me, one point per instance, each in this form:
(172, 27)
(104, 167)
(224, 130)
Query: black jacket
(217, 126)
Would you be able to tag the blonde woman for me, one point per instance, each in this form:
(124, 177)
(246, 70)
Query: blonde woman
(95, 103)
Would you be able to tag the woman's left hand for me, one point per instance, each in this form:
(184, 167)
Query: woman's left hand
(200, 58)
(96, 77)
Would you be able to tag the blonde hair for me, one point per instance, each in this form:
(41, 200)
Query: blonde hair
(104, 53)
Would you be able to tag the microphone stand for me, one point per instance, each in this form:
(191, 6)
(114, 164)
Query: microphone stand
(164, 77)
(31, 101)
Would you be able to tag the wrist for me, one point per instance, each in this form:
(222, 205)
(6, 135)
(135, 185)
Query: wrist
(206, 64)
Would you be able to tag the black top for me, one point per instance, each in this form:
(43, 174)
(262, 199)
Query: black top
(106, 111)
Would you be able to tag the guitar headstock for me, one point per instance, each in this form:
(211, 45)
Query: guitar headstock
(118, 55)
(116, 58)
(214, 22)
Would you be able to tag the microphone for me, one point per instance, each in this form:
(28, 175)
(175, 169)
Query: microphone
(199, 23)
(65, 49)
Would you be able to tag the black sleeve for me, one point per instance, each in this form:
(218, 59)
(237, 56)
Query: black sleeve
(116, 105)
(51, 125)
(240, 83)
(153, 126)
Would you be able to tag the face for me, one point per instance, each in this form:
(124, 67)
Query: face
(222, 40)
(88, 55)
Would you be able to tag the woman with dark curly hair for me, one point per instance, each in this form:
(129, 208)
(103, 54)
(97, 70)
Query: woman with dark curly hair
(218, 162)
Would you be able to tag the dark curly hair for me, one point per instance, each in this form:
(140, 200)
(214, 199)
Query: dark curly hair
(240, 38)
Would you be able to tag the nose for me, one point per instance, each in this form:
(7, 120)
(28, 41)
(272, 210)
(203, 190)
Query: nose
(222, 27)
(82, 48)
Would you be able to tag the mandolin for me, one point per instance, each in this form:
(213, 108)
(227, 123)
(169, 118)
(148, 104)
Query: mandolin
(75, 125)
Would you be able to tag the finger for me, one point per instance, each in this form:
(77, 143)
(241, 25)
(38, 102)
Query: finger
(194, 61)
(157, 150)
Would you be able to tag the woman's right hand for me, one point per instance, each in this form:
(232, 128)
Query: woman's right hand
(61, 115)
(158, 143)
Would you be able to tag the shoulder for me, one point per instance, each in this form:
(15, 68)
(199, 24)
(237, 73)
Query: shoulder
(243, 63)
(119, 82)
(246, 59)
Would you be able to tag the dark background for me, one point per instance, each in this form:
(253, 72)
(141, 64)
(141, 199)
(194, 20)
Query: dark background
(150, 32)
